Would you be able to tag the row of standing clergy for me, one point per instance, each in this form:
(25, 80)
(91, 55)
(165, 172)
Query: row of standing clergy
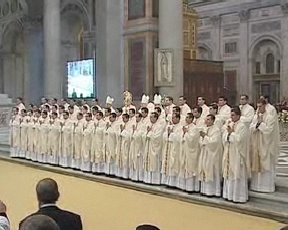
(145, 148)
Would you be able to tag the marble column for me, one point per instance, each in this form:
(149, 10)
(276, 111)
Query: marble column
(171, 37)
(216, 41)
(284, 59)
(52, 48)
(244, 76)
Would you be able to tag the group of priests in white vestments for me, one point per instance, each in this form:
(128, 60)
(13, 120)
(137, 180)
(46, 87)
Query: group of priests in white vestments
(215, 150)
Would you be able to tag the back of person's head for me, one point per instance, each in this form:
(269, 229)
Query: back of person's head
(147, 227)
(47, 191)
(39, 222)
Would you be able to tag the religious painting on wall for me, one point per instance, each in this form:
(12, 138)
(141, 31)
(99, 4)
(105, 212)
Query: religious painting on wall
(137, 67)
(163, 66)
(136, 9)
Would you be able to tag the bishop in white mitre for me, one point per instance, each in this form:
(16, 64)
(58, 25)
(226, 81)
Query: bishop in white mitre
(153, 150)
(236, 165)
(189, 157)
(77, 143)
(54, 139)
(86, 150)
(123, 147)
(15, 133)
(109, 102)
(210, 159)
(264, 150)
(171, 149)
(110, 144)
(136, 172)
(98, 154)
(42, 156)
(67, 139)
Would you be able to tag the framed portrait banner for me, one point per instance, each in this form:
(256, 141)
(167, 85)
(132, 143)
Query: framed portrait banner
(163, 67)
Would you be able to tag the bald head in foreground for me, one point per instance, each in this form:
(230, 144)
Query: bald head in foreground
(47, 195)
(39, 222)
(147, 227)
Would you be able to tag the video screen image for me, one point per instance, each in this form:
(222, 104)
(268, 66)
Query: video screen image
(81, 79)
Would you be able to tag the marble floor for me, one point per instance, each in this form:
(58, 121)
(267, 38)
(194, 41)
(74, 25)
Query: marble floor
(107, 207)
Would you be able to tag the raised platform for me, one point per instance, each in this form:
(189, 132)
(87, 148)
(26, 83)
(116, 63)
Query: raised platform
(272, 206)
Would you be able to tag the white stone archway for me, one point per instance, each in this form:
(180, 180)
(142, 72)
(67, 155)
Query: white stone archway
(13, 59)
(265, 58)
(204, 52)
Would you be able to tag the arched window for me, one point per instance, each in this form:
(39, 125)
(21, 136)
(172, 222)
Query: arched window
(270, 63)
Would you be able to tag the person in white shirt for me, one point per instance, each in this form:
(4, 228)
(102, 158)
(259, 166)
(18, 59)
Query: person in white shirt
(4, 222)
(185, 109)
(247, 111)
(205, 109)
(73, 103)
(224, 111)
(65, 103)
(213, 109)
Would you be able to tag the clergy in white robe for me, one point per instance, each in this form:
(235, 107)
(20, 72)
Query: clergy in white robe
(20, 105)
(209, 161)
(236, 159)
(205, 109)
(170, 153)
(199, 121)
(15, 133)
(24, 134)
(67, 139)
(189, 157)
(264, 150)
(30, 149)
(185, 109)
(37, 136)
(123, 147)
(54, 139)
(72, 114)
(98, 154)
(145, 117)
(169, 106)
(42, 156)
(224, 111)
(110, 144)
(77, 143)
(136, 172)
(247, 111)
(86, 151)
(153, 150)
(213, 109)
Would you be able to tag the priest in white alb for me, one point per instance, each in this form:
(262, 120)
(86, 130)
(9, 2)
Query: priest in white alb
(42, 156)
(54, 139)
(185, 109)
(136, 170)
(205, 109)
(153, 150)
(110, 144)
(123, 147)
(98, 154)
(210, 159)
(172, 141)
(236, 166)
(67, 139)
(77, 143)
(86, 149)
(247, 111)
(264, 149)
(15, 133)
(24, 133)
(189, 157)
(224, 110)
(199, 121)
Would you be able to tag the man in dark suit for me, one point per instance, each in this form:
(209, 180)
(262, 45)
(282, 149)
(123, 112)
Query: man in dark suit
(147, 227)
(47, 195)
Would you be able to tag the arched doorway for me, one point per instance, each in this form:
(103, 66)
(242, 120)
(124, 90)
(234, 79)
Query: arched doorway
(204, 53)
(13, 60)
(74, 23)
(266, 70)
